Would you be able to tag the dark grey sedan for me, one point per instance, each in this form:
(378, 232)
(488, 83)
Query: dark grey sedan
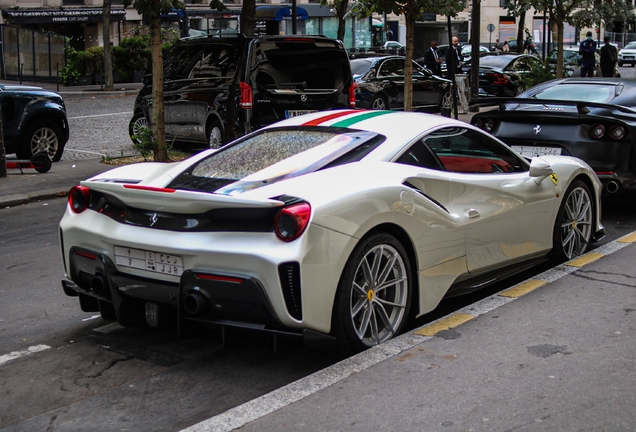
(380, 85)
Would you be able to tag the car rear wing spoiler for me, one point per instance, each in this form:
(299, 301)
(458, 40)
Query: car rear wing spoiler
(581, 107)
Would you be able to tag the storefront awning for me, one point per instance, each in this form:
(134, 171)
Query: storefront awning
(60, 16)
(279, 13)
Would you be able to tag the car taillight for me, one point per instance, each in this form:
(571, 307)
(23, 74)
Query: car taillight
(79, 198)
(290, 222)
(498, 78)
(617, 132)
(489, 125)
(245, 95)
(597, 131)
(478, 123)
(352, 94)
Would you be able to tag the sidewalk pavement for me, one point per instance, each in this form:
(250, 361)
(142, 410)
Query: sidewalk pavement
(555, 353)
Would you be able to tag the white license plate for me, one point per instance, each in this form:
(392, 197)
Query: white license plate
(155, 262)
(296, 113)
(532, 151)
(628, 57)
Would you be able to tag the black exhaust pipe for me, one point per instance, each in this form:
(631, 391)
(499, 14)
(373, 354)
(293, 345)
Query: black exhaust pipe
(99, 285)
(196, 304)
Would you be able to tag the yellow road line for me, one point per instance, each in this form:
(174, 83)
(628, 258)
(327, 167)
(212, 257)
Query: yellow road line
(445, 324)
(523, 288)
(585, 259)
(630, 238)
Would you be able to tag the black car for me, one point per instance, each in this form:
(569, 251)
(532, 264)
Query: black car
(379, 84)
(572, 62)
(33, 120)
(500, 74)
(593, 119)
(218, 88)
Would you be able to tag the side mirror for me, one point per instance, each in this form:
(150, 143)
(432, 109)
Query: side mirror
(539, 169)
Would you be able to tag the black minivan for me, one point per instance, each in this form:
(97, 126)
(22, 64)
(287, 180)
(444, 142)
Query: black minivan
(219, 88)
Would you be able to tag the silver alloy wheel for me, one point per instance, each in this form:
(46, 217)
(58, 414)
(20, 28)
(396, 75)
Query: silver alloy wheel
(45, 139)
(137, 125)
(380, 294)
(378, 103)
(447, 100)
(215, 138)
(576, 225)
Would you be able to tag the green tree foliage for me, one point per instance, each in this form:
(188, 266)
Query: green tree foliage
(412, 11)
(151, 10)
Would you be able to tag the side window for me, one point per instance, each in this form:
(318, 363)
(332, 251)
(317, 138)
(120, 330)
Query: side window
(466, 151)
(214, 61)
(419, 155)
(392, 68)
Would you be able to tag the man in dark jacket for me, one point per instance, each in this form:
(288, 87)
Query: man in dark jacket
(432, 60)
(609, 57)
(587, 49)
(454, 58)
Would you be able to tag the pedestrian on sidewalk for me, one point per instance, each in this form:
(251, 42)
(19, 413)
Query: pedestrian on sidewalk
(432, 60)
(609, 57)
(587, 49)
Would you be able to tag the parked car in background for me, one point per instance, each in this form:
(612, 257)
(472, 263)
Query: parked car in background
(572, 62)
(627, 55)
(335, 226)
(379, 83)
(500, 73)
(217, 88)
(589, 118)
(33, 120)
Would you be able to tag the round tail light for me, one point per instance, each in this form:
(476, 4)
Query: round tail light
(478, 123)
(617, 132)
(79, 198)
(489, 125)
(597, 131)
(290, 222)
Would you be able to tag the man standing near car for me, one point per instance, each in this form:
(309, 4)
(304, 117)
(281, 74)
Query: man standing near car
(454, 58)
(609, 57)
(587, 49)
(432, 60)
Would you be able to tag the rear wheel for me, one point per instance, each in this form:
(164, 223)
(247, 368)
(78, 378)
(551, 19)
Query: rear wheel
(573, 227)
(215, 135)
(379, 103)
(520, 89)
(447, 100)
(374, 294)
(43, 135)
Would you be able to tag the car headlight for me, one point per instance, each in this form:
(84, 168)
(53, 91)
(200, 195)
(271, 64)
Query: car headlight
(597, 131)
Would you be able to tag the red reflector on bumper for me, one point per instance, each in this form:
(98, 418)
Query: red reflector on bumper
(149, 188)
(219, 278)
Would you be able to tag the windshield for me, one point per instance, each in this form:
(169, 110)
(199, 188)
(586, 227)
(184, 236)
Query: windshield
(580, 92)
(274, 155)
(495, 61)
(631, 45)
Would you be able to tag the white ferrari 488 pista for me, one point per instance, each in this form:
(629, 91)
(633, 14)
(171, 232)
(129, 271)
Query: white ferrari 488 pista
(336, 226)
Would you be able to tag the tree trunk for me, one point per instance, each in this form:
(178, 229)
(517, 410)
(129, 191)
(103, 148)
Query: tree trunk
(409, 17)
(520, 27)
(248, 17)
(108, 60)
(341, 11)
(158, 115)
(559, 69)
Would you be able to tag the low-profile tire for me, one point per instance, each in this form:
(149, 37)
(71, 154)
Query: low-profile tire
(573, 227)
(374, 294)
(215, 135)
(379, 103)
(137, 122)
(42, 135)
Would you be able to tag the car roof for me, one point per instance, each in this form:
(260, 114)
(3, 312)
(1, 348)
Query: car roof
(399, 127)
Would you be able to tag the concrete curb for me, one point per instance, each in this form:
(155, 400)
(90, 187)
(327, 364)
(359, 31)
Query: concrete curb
(20, 199)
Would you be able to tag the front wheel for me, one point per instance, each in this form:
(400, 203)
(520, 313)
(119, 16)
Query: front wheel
(43, 135)
(374, 294)
(136, 127)
(573, 227)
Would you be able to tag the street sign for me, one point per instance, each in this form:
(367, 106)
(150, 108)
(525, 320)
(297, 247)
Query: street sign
(490, 28)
